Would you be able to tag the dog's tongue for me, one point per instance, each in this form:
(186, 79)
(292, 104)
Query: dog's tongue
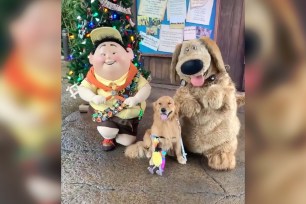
(163, 117)
(197, 80)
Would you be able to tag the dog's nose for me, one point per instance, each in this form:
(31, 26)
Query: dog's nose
(163, 110)
(192, 67)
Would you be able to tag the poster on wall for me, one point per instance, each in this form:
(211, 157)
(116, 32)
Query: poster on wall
(152, 8)
(169, 38)
(165, 23)
(200, 14)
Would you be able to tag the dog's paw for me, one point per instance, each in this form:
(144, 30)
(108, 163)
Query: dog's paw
(191, 108)
(148, 154)
(214, 98)
(131, 152)
(222, 161)
(181, 160)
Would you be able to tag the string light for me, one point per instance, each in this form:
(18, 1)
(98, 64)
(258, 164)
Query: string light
(71, 37)
(95, 14)
(132, 38)
(105, 10)
(88, 35)
(79, 18)
(71, 72)
(91, 24)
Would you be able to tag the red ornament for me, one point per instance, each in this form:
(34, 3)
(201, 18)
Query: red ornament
(127, 17)
(129, 45)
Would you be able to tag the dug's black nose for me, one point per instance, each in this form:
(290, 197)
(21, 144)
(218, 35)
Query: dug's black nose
(163, 110)
(192, 67)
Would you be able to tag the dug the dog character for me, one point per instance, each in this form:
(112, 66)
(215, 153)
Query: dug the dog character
(208, 102)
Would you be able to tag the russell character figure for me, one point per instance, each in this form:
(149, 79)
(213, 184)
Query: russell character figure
(114, 88)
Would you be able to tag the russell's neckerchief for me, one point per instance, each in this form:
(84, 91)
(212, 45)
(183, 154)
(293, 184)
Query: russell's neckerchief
(114, 89)
(17, 77)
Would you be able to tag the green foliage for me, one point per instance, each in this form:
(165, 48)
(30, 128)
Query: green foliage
(88, 15)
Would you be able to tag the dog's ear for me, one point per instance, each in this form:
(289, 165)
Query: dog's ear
(174, 61)
(154, 105)
(177, 108)
(214, 52)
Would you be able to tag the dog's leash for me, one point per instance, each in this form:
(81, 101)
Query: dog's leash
(182, 145)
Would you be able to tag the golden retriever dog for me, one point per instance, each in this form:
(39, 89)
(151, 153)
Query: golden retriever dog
(166, 126)
(208, 102)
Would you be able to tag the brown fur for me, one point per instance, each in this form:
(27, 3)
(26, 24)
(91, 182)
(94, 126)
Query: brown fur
(210, 124)
(170, 129)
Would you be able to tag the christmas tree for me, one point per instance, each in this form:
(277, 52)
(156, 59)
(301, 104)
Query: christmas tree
(91, 14)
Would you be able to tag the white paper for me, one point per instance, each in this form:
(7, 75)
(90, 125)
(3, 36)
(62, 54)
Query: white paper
(196, 3)
(169, 38)
(153, 8)
(149, 41)
(177, 22)
(200, 15)
(176, 8)
(189, 33)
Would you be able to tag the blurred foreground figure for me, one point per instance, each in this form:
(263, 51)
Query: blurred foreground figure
(276, 103)
(30, 112)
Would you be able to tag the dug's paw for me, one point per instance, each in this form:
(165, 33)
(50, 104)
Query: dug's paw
(190, 108)
(222, 161)
(214, 98)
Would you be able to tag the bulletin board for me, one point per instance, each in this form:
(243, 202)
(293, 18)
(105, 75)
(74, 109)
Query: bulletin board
(209, 30)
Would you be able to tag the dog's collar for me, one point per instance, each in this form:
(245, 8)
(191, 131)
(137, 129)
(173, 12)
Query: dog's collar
(157, 137)
(208, 81)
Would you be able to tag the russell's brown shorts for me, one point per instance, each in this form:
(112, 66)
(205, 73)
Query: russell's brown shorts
(125, 126)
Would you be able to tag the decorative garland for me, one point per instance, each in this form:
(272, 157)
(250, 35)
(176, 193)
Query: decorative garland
(115, 7)
(119, 105)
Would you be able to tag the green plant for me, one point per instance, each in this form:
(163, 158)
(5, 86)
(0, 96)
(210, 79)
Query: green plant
(88, 15)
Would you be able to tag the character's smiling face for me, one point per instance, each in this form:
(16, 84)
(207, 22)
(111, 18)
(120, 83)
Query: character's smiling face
(111, 61)
(194, 62)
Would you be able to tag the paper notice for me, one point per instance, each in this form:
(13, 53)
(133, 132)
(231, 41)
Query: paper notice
(176, 8)
(169, 38)
(189, 33)
(149, 41)
(200, 15)
(196, 3)
(202, 32)
(177, 22)
(152, 8)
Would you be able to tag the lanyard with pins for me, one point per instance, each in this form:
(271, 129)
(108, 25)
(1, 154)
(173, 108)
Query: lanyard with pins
(182, 145)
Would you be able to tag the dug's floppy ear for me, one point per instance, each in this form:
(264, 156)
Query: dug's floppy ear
(214, 52)
(174, 61)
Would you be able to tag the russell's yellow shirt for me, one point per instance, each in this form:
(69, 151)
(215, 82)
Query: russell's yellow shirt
(128, 113)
